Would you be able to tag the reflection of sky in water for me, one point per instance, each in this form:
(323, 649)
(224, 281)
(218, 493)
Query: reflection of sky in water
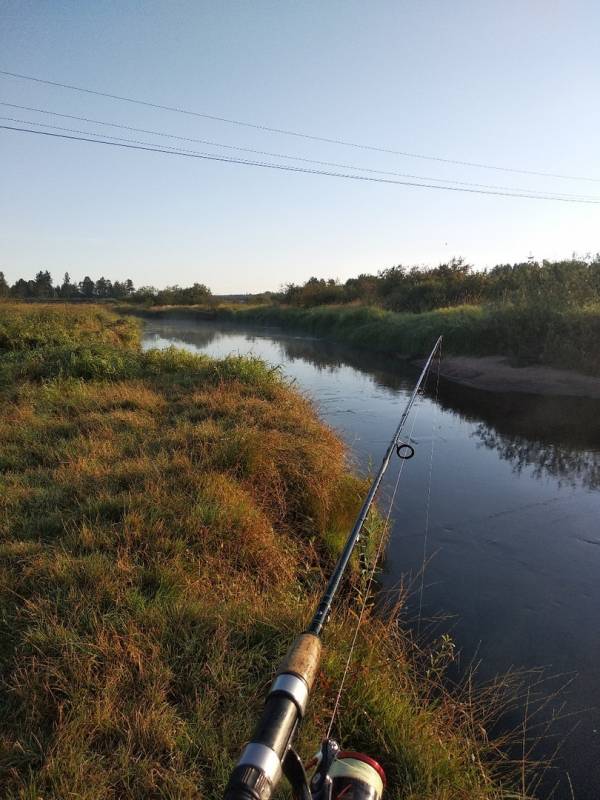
(514, 539)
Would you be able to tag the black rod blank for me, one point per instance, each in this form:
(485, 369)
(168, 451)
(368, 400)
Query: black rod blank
(324, 607)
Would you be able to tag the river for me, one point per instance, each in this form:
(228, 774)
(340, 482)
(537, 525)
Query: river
(501, 503)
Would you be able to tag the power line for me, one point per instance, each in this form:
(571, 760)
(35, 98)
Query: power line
(261, 152)
(289, 168)
(287, 132)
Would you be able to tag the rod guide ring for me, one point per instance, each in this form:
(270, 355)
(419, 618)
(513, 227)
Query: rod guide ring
(405, 450)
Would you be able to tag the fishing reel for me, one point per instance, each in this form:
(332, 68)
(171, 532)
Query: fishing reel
(336, 775)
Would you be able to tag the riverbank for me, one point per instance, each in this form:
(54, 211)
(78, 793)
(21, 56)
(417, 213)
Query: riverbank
(166, 523)
(497, 374)
(528, 337)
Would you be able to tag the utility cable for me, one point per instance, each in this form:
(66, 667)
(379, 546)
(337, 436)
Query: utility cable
(289, 168)
(212, 143)
(298, 134)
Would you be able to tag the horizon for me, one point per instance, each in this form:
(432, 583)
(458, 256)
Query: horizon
(512, 87)
(76, 280)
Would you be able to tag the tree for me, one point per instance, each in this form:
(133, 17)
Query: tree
(146, 294)
(196, 294)
(363, 288)
(43, 284)
(103, 287)
(315, 292)
(22, 289)
(68, 289)
(119, 290)
(87, 287)
(4, 290)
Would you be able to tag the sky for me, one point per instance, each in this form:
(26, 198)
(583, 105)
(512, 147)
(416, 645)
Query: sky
(513, 84)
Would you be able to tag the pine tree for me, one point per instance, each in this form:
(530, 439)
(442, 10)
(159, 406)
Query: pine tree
(87, 287)
(68, 289)
(43, 284)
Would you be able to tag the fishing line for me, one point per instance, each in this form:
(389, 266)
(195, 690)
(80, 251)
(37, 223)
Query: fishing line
(428, 501)
(367, 592)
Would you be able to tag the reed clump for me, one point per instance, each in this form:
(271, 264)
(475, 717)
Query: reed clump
(165, 524)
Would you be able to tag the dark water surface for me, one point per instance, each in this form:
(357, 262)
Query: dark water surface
(513, 540)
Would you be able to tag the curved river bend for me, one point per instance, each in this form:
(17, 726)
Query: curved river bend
(513, 542)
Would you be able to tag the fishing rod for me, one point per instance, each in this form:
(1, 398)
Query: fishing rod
(270, 753)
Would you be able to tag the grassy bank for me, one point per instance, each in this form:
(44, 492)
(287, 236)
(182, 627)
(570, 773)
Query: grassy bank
(566, 339)
(165, 523)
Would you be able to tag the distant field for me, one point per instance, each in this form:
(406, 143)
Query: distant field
(165, 523)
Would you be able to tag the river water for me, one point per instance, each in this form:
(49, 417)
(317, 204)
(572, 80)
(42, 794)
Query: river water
(501, 503)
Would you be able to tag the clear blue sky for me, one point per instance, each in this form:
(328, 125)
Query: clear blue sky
(509, 83)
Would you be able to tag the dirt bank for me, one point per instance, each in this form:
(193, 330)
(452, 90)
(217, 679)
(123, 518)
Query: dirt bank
(497, 374)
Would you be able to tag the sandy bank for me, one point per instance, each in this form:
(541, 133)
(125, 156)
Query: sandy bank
(496, 374)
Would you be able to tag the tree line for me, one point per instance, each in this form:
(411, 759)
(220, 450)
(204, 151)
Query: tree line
(571, 283)
(42, 288)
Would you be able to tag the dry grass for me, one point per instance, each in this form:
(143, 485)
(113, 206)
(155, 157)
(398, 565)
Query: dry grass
(165, 521)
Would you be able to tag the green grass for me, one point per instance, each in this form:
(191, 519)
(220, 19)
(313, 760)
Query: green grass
(29, 327)
(166, 523)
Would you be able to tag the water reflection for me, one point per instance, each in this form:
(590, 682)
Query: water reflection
(572, 467)
(164, 333)
(555, 436)
(545, 433)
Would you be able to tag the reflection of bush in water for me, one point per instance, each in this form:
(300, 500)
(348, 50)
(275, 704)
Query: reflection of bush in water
(387, 372)
(567, 465)
(558, 437)
(198, 336)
